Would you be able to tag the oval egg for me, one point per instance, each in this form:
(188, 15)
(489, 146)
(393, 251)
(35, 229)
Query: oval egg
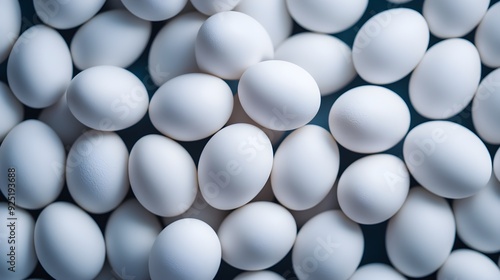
(10, 22)
(487, 39)
(485, 113)
(211, 7)
(377, 271)
(11, 110)
(153, 10)
(66, 14)
(468, 264)
(259, 275)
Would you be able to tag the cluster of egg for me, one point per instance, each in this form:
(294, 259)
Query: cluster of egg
(246, 197)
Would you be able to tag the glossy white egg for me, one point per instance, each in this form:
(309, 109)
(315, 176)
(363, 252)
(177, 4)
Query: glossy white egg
(11, 110)
(485, 113)
(130, 233)
(376, 271)
(234, 166)
(305, 167)
(172, 51)
(329, 246)
(496, 164)
(154, 10)
(257, 235)
(66, 14)
(191, 107)
(325, 57)
(107, 98)
(390, 45)
(211, 7)
(420, 236)
(447, 159)
(259, 275)
(39, 68)
(33, 148)
(162, 175)
(279, 95)
(468, 264)
(326, 16)
(186, 249)
(369, 119)
(330, 202)
(373, 188)
(68, 242)
(113, 37)
(230, 42)
(487, 39)
(10, 26)
(446, 79)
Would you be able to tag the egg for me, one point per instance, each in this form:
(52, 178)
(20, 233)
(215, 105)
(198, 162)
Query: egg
(487, 39)
(372, 189)
(377, 271)
(259, 275)
(107, 98)
(155, 10)
(446, 79)
(305, 167)
(390, 45)
(369, 119)
(485, 113)
(96, 171)
(279, 95)
(468, 264)
(451, 18)
(191, 107)
(447, 159)
(210, 7)
(496, 164)
(39, 68)
(66, 14)
(327, 59)
(162, 175)
(257, 235)
(329, 246)
(130, 233)
(230, 42)
(10, 22)
(68, 242)
(113, 37)
(420, 236)
(11, 110)
(33, 148)
(330, 202)
(476, 226)
(18, 259)
(172, 51)
(326, 16)
(186, 249)
(234, 166)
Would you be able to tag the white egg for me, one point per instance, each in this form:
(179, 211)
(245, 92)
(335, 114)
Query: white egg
(390, 45)
(154, 10)
(10, 26)
(234, 166)
(272, 14)
(487, 39)
(96, 171)
(330, 202)
(259, 275)
(107, 98)
(447, 159)
(326, 16)
(452, 18)
(11, 110)
(162, 175)
(446, 79)
(186, 249)
(305, 167)
(468, 264)
(191, 107)
(485, 113)
(211, 7)
(476, 225)
(18, 258)
(113, 37)
(325, 57)
(66, 14)
(68, 242)
(230, 42)
(130, 233)
(420, 236)
(496, 164)
(373, 188)
(33, 148)
(329, 246)
(376, 271)
(39, 68)
(172, 51)
(257, 235)
(279, 95)
(369, 119)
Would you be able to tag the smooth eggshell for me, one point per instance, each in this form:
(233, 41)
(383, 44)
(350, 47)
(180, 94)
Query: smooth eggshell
(485, 112)
(468, 264)
(376, 271)
(11, 110)
(10, 26)
(487, 39)
(155, 10)
(211, 7)
(259, 275)
(66, 14)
